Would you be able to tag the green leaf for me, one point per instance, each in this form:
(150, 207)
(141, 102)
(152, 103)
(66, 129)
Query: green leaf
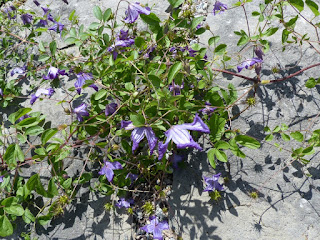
(106, 15)
(298, 4)
(222, 145)
(175, 3)
(41, 46)
(97, 12)
(43, 58)
(285, 137)
(28, 217)
(269, 137)
(49, 133)
(285, 35)
(247, 141)
(70, 40)
(52, 188)
(313, 7)
(196, 21)
(216, 125)
(175, 68)
(156, 81)
(129, 86)
(34, 131)
(235, 149)
(151, 19)
(270, 31)
(13, 154)
(243, 40)
(18, 114)
(14, 209)
(211, 159)
(53, 47)
(221, 156)
(213, 40)
(308, 150)
(6, 228)
(43, 220)
(137, 120)
(310, 83)
(28, 122)
(67, 183)
(220, 50)
(100, 94)
(94, 26)
(298, 136)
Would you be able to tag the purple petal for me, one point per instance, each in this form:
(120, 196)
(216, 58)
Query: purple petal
(136, 136)
(1, 92)
(111, 108)
(33, 99)
(116, 165)
(133, 12)
(163, 148)
(26, 18)
(94, 87)
(196, 125)
(151, 137)
(127, 125)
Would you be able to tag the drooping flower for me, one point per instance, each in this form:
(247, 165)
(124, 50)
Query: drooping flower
(180, 135)
(108, 168)
(110, 108)
(1, 178)
(65, 1)
(208, 109)
(82, 77)
(132, 176)
(54, 73)
(212, 183)
(9, 11)
(23, 117)
(248, 63)
(175, 88)
(26, 18)
(18, 70)
(36, 3)
(122, 202)
(155, 227)
(133, 12)
(48, 92)
(1, 92)
(219, 7)
(123, 40)
(259, 53)
(47, 14)
(81, 111)
(139, 133)
(57, 27)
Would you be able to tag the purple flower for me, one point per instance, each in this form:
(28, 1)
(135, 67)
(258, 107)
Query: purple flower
(23, 117)
(181, 137)
(192, 53)
(1, 92)
(36, 3)
(248, 63)
(111, 108)
(155, 227)
(1, 178)
(259, 53)
(18, 70)
(139, 133)
(54, 73)
(175, 159)
(65, 1)
(133, 12)
(47, 14)
(122, 202)
(108, 168)
(81, 111)
(82, 77)
(208, 109)
(26, 18)
(175, 88)
(212, 183)
(219, 6)
(9, 11)
(123, 40)
(58, 26)
(132, 177)
(48, 92)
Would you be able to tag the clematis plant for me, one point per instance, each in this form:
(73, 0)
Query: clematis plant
(212, 183)
(49, 92)
(180, 135)
(108, 168)
(81, 111)
(139, 133)
(123, 203)
(155, 227)
(219, 7)
(133, 12)
(54, 73)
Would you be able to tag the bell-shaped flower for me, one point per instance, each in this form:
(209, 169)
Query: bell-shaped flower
(219, 7)
(122, 202)
(1, 178)
(248, 63)
(180, 135)
(9, 11)
(81, 79)
(110, 108)
(48, 92)
(132, 177)
(212, 183)
(18, 70)
(139, 133)
(208, 109)
(155, 227)
(36, 3)
(81, 111)
(57, 27)
(108, 168)
(175, 88)
(54, 73)
(1, 92)
(133, 12)
(26, 18)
